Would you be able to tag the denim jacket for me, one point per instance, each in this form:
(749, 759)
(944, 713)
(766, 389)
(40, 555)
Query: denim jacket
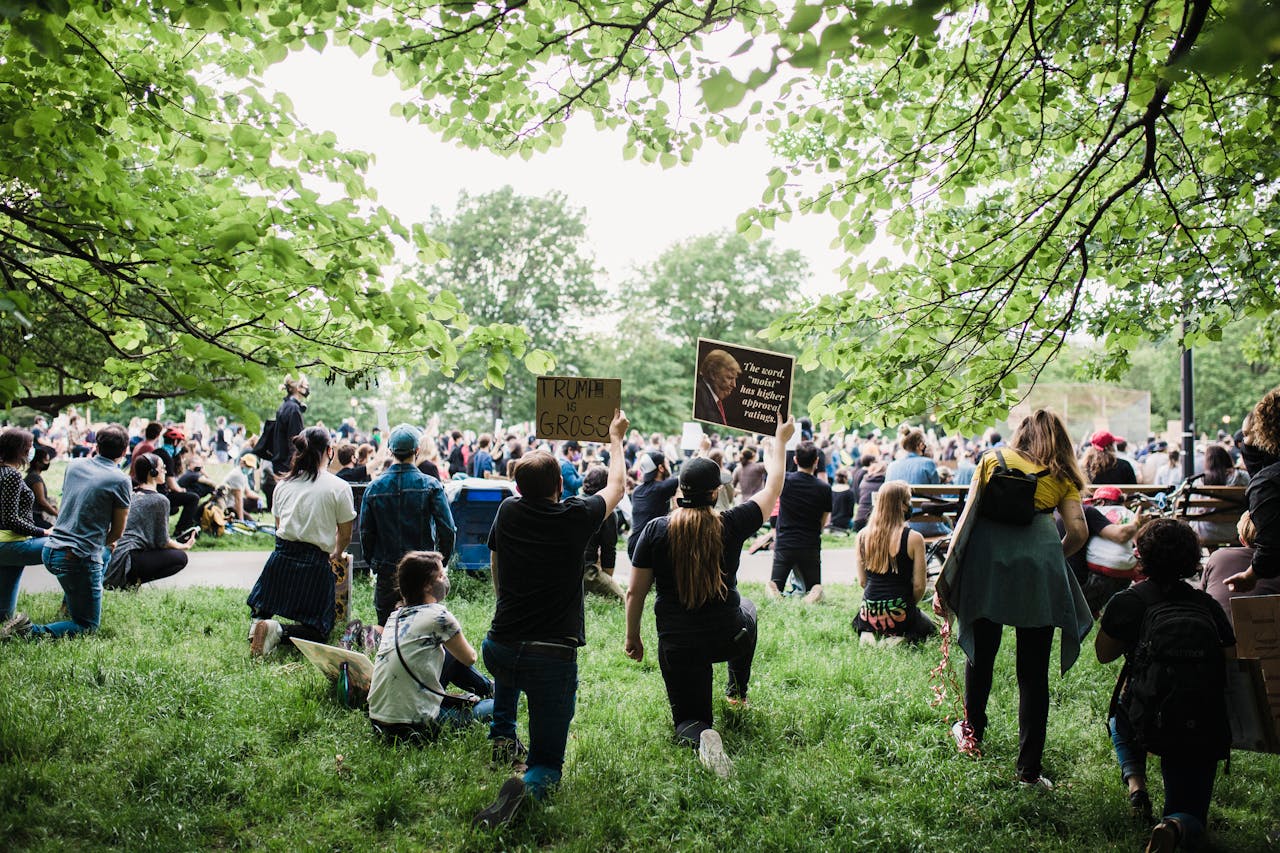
(404, 510)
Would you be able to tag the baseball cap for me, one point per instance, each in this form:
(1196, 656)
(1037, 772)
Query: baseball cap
(404, 438)
(649, 462)
(1107, 493)
(1103, 439)
(248, 460)
(698, 479)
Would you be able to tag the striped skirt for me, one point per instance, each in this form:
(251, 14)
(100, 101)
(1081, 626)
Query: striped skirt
(296, 583)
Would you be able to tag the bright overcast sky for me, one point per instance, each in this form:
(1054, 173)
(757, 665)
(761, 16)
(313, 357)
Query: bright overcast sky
(633, 210)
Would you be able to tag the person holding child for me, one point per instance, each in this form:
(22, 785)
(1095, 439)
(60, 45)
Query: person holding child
(889, 561)
(692, 555)
(1168, 553)
(422, 651)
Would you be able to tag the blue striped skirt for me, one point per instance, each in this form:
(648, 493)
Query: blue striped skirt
(296, 583)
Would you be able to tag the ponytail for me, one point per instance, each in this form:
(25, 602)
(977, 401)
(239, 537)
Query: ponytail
(309, 448)
(696, 544)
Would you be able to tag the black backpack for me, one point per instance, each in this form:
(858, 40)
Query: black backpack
(1173, 687)
(1009, 497)
(264, 449)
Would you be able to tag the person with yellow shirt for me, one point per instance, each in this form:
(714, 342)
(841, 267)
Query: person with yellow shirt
(1006, 573)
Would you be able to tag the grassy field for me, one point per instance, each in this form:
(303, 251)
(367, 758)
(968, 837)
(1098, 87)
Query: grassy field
(162, 734)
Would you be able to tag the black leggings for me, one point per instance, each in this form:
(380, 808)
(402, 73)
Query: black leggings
(147, 566)
(686, 670)
(1033, 650)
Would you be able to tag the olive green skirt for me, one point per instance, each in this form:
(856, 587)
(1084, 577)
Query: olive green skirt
(1016, 575)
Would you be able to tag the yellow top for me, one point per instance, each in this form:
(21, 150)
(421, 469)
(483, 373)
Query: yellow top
(1050, 490)
(10, 536)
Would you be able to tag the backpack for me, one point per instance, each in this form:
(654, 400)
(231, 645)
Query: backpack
(264, 449)
(1174, 684)
(213, 520)
(1009, 497)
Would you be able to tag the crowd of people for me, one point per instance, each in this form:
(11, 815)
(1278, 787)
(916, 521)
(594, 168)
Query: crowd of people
(1044, 544)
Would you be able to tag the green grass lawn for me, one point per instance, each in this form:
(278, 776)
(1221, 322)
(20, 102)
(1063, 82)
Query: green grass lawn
(160, 733)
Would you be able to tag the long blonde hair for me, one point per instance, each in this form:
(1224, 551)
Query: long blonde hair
(696, 545)
(884, 527)
(1043, 440)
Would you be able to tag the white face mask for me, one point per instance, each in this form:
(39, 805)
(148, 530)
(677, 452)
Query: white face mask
(31, 453)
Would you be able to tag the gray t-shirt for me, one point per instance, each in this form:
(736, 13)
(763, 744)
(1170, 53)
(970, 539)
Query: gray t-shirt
(92, 489)
(146, 530)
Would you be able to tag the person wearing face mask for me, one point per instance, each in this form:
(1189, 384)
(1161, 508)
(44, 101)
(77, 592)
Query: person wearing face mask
(275, 450)
(314, 512)
(45, 512)
(239, 485)
(421, 653)
(145, 551)
(889, 560)
(183, 503)
(21, 538)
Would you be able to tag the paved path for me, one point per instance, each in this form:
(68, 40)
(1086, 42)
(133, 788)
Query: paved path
(239, 570)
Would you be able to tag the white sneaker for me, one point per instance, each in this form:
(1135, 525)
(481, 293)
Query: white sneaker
(1041, 782)
(712, 755)
(266, 636)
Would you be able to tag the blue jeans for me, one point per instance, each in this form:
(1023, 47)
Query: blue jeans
(14, 556)
(481, 712)
(551, 685)
(1188, 781)
(81, 580)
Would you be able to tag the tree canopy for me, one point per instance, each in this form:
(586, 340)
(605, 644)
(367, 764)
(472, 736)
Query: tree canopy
(1107, 168)
(519, 265)
(165, 226)
(1045, 168)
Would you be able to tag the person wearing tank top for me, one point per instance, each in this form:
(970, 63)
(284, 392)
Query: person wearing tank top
(890, 563)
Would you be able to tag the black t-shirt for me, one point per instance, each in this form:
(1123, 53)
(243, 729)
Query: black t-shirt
(649, 501)
(1120, 474)
(354, 474)
(842, 503)
(1122, 620)
(429, 468)
(805, 499)
(540, 546)
(1095, 521)
(172, 468)
(717, 616)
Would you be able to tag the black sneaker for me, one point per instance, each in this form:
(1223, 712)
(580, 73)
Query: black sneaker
(502, 810)
(509, 752)
(1140, 805)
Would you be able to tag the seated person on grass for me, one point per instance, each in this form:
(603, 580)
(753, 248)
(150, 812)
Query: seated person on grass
(1106, 564)
(889, 559)
(411, 671)
(239, 486)
(146, 551)
(1174, 710)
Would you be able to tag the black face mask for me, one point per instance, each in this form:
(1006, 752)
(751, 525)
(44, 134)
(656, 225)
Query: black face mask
(306, 392)
(906, 514)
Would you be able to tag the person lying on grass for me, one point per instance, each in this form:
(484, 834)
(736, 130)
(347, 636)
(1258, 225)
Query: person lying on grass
(693, 557)
(422, 652)
(1172, 701)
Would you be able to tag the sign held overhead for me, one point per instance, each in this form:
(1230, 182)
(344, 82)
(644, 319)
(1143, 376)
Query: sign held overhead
(576, 407)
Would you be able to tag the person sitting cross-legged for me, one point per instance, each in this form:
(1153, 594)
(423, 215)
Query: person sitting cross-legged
(889, 560)
(422, 652)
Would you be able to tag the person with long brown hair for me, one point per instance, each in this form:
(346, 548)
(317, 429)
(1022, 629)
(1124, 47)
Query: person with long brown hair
(693, 556)
(1000, 572)
(889, 561)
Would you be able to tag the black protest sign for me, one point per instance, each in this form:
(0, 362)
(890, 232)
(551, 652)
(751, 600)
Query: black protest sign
(575, 407)
(740, 387)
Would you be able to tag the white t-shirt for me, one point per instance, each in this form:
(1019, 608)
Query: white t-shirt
(311, 510)
(236, 479)
(394, 697)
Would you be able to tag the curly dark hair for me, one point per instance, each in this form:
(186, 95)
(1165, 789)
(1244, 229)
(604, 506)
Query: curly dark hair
(1168, 550)
(1263, 429)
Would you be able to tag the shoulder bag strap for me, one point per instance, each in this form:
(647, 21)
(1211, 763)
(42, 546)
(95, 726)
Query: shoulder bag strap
(404, 663)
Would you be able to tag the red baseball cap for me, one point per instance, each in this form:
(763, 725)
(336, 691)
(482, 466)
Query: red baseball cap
(1103, 439)
(1107, 493)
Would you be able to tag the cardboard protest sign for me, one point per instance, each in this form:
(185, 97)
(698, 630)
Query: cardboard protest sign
(741, 388)
(576, 407)
(691, 436)
(1257, 624)
(329, 660)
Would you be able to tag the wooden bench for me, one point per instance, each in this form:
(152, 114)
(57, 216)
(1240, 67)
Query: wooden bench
(1221, 504)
